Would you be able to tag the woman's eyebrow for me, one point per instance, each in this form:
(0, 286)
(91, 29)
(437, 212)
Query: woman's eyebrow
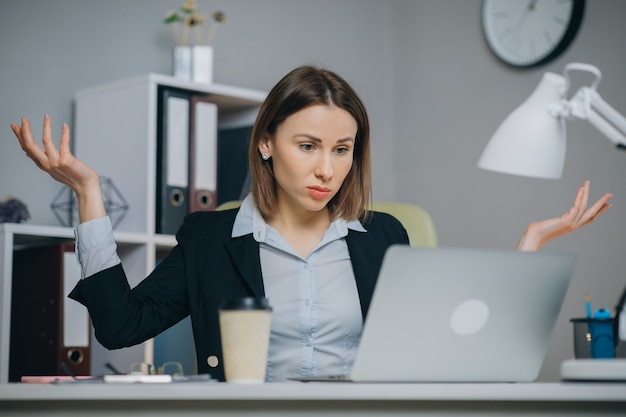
(316, 139)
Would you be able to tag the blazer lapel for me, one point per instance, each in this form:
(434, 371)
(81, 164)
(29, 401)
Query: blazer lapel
(361, 247)
(244, 254)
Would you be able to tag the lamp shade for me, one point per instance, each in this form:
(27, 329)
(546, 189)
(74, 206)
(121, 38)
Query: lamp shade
(531, 140)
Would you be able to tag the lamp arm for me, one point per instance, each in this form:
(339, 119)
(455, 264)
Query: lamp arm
(588, 105)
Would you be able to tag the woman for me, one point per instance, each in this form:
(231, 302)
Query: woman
(302, 238)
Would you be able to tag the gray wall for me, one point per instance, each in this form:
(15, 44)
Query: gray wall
(434, 93)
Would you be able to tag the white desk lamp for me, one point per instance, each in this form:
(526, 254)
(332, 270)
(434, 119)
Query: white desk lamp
(531, 141)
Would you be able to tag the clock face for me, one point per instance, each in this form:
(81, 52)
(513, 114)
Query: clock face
(528, 33)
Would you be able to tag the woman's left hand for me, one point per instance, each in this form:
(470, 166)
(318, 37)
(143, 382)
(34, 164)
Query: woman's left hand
(538, 234)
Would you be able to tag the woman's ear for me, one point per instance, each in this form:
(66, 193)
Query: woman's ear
(264, 145)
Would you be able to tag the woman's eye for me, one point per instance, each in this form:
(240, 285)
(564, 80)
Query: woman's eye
(342, 150)
(306, 146)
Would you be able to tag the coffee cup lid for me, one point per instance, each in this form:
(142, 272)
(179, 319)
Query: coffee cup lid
(246, 303)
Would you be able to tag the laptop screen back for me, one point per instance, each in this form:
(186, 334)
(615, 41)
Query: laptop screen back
(461, 315)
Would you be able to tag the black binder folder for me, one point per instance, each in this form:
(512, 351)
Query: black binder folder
(172, 193)
(203, 154)
(232, 163)
(47, 328)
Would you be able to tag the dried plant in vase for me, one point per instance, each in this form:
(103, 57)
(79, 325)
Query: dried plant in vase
(188, 20)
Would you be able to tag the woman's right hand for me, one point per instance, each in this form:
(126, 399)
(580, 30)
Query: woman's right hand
(61, 165)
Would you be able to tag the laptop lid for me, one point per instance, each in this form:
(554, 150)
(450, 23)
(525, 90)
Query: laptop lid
(461, 315)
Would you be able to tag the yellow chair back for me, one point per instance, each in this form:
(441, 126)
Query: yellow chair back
(417, 222)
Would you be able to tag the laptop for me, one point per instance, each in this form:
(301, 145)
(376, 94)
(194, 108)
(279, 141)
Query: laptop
(460, 315)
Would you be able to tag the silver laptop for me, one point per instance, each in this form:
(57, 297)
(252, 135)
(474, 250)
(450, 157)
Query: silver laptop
(460, 315)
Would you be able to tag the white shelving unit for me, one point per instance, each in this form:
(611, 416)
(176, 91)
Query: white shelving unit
(132, 247)
(115, 132)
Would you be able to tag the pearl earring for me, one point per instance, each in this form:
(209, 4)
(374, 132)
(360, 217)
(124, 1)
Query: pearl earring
(265, 156)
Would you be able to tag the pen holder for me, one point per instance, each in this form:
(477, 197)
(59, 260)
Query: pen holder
(593, 338)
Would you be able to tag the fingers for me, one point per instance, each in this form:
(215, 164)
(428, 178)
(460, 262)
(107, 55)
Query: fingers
(596, 209)
(578, 207)
(64, 145)
(27, 143)
(16, 130)
(539, 233)
(46, 139)
(577, 211)
(604, 208)
(18, 134)
(581, 214)
(585, 199)
(49, 156)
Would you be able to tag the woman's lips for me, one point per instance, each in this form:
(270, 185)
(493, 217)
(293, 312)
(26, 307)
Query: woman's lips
(318, 192)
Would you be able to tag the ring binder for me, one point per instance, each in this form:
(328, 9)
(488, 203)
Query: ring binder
(232, 163)
(203, 154)
(47, 328)
(172, 160)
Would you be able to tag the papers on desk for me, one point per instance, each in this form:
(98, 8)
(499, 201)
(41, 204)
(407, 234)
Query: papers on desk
(119, 379)
(134, 378)
(49, 379)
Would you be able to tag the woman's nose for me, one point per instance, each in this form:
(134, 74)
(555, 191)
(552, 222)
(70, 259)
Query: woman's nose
(324, 168)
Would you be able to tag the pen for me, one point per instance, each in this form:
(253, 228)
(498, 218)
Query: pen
(588, 306)
(113, 368)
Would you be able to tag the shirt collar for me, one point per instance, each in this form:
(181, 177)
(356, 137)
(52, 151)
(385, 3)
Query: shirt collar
(249, 220)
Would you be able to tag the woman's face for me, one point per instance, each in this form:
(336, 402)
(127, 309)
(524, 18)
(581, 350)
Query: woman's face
(312, 152)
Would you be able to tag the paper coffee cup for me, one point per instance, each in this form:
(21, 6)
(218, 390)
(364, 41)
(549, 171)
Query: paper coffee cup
(245, 332)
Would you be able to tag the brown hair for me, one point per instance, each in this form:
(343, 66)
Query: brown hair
(303, 87)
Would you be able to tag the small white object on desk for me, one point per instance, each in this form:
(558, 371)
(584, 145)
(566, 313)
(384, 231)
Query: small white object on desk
(138, 378)
(593, 370)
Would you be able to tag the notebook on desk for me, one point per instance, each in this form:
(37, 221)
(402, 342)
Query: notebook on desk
(460, 315)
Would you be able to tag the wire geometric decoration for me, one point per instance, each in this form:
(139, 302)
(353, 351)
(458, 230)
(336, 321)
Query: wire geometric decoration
(65, 204)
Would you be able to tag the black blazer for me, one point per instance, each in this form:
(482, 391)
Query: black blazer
(204, 269)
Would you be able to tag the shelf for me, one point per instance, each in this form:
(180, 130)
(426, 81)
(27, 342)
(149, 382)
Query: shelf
(228, 98)
(115, 131)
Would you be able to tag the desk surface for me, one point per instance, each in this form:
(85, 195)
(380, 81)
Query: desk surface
(598, 399)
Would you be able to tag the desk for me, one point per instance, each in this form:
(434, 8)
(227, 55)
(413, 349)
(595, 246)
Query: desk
(313, 399)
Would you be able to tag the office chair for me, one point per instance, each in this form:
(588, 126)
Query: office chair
(417, 222)
(228, 205)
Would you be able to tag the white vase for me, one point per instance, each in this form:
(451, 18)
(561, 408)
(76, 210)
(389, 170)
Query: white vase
(193, 63)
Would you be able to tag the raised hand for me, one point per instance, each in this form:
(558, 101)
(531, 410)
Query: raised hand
(539, 233)
(61, 165)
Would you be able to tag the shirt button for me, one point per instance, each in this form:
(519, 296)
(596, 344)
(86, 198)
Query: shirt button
(212, 361)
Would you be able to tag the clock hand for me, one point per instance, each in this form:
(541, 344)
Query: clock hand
(520, 22)
(523, 17)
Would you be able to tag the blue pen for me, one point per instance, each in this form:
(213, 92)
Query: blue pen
(588, 306)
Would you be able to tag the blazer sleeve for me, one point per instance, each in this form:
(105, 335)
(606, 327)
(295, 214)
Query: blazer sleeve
(123, 316)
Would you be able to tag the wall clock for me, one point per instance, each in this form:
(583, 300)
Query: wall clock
(529, 33)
